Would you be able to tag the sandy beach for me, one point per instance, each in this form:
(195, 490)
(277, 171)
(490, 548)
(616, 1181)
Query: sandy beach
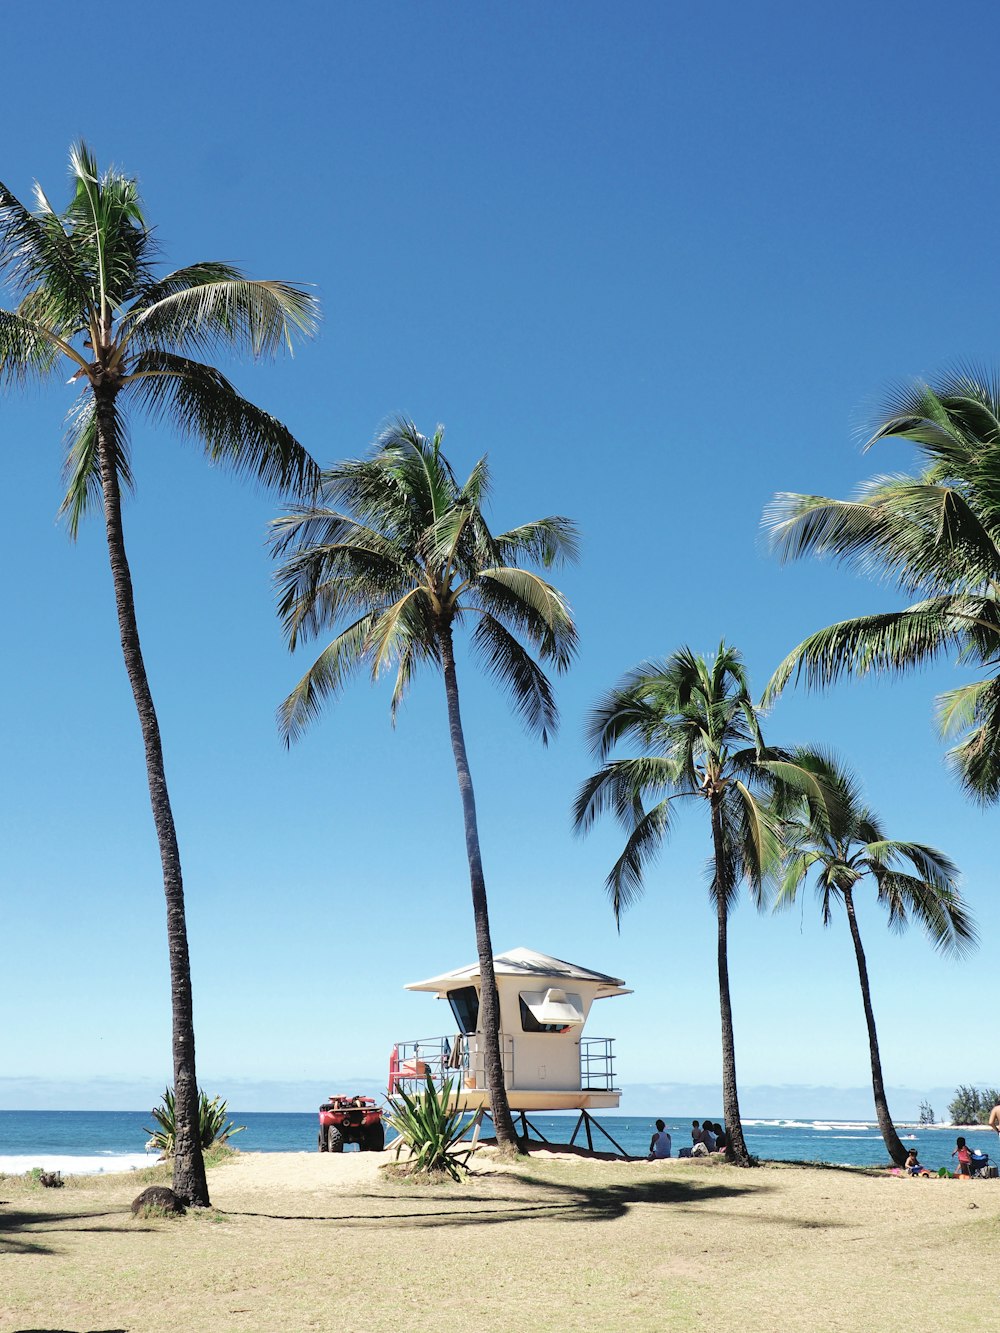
(559, 1242)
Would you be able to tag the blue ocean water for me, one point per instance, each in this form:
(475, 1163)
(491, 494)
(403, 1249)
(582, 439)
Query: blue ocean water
(89, 1141)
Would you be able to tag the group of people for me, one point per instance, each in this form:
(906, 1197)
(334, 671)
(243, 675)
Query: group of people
(967, 1159)
(706, 1138)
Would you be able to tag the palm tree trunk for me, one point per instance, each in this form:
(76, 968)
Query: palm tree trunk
(189, 1167)
(489, 1001)
(736, 1148)
(896, 1150)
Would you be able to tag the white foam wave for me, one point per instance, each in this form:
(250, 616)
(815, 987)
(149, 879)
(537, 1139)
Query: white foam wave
(103, 1164)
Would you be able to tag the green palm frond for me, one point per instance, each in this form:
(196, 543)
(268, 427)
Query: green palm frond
(81, 469)
(892, 641)
(37, 255)
(397, 535)
(625, 879)
(28, 351)
(547, 541)
(850, 845)
(519, 674)
(700, 735)
(624, 787)
(937, 532)
(976, 758)
(325, 678)
(536, 608)
(200, 402)
(242, 314)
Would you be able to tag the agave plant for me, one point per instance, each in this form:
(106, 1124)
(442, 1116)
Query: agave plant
(212, 1124)
(429, 1130)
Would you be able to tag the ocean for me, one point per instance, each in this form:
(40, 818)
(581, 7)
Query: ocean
(88, 1142)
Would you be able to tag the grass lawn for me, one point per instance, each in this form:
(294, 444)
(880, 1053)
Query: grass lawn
(299, 1242)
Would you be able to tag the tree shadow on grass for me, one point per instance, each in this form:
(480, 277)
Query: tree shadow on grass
(538, 1200)
(33, 1226)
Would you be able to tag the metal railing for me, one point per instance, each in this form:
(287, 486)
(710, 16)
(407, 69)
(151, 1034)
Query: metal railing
(449, 1058)
(446, 1058)
(597, 1064)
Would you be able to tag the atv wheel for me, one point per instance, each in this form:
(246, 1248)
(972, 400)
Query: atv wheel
(322, 1139)
(374, 1140)
(334, 1139)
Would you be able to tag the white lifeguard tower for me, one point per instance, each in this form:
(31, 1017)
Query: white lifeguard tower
(548, 1064)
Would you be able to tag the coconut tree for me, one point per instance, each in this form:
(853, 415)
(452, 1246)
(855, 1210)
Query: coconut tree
(87, 296)
(936, 535)
(700, 739)
(396, 555)
(845, 848)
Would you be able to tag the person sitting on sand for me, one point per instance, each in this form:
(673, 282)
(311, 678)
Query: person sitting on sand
(964, 1171)
(721, 1142)
(708, 1136)
(695, 1140)
(913, 1166)
(659, 1144)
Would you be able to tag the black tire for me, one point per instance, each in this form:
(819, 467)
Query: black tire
(322, 1139)
(334, 1139)
(374, 1140)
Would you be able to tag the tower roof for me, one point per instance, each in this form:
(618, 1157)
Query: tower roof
(530, 965)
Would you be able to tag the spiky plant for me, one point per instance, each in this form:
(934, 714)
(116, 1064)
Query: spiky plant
(430, 1130)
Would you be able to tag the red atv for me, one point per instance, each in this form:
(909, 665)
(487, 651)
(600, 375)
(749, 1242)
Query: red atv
(351, 1120)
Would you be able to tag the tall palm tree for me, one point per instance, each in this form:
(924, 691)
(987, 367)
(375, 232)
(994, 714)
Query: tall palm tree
(700, 737)
(86, 294)
(936, 535)
(401, 552)
(911, 881)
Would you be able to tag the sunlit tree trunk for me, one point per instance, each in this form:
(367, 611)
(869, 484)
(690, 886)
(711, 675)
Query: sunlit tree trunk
(736, 1149)
(489, 1001)
(896, 1150)
(189, 1168)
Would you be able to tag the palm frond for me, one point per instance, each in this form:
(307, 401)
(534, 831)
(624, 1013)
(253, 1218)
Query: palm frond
(254, 316)
(549, 541)
(625, 879)
(28, 351)
(325, 678)
(524, 600)
(519, 674)
(199, 401)
(81, 468)
(892, 641)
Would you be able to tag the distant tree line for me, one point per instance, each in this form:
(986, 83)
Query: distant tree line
(972, 1106)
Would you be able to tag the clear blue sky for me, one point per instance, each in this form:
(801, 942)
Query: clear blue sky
(656, 260)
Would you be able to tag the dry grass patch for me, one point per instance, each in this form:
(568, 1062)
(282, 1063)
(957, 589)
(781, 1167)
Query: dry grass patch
(310, 1241)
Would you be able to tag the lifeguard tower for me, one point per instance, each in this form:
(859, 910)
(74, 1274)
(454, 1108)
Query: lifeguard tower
(548, 1064)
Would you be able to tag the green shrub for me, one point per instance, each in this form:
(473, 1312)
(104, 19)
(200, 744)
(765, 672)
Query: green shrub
(211, 1119)
(925, 1116)
(430, 1131)
(972, 1106)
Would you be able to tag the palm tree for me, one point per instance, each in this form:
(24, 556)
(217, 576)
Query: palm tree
(87, 295)
(700, 738)
(937, 536)
(911, 881)
(402, 552)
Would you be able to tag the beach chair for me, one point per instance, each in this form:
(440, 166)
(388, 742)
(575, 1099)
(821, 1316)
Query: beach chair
(979, 1167)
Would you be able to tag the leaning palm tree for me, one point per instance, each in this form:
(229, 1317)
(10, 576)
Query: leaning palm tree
(700, 738)
(87, 295)
(400, 551)
(911, 880)
(936, 535)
